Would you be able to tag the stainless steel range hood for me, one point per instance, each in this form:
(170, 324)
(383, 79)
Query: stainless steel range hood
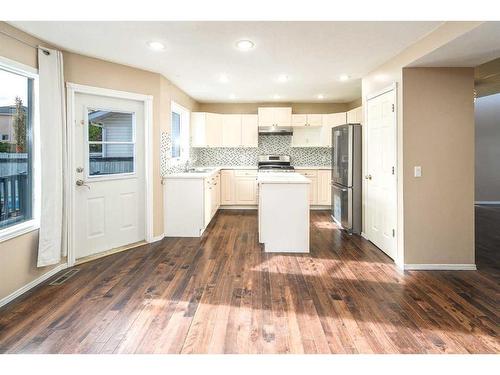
(275, 130)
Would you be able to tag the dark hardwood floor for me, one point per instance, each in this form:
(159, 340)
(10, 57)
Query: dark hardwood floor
(222, 294)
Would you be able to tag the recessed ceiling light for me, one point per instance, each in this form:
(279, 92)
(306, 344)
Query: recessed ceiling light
(276, 96)
(157, 46)
(244, 45)
(283, 78)
(321, 96)
(344, 77)
(223, 78)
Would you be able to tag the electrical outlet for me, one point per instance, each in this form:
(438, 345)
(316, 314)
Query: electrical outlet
(418, 171)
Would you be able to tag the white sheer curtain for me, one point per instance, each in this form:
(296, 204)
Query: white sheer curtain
(52, 243)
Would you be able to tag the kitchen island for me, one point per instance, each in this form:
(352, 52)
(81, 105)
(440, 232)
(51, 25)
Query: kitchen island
(283, 212)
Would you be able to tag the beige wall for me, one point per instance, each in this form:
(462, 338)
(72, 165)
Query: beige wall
(438, 135)
(392, 72)
(487, 116)
(18, 256)
(251, 108)
(354, 104)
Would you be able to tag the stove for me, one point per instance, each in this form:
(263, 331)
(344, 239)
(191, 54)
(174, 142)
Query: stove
(275, 163)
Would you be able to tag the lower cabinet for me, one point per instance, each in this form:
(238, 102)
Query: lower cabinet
(239, 187)
(319, 192)
(324, 187)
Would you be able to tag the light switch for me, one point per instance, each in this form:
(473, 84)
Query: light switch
(418, 171)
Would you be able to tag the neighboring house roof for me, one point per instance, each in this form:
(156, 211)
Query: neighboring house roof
(10, 109)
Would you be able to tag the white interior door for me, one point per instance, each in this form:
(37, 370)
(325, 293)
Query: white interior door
(380, 177)
(109, 158)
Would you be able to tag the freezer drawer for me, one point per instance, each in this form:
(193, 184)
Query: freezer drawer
(342, 206)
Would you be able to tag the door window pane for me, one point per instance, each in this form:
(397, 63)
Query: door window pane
(111, 142)
(15, 148)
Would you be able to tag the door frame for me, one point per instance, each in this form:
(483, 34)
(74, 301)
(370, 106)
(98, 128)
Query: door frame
(398, 259)
(71, 90)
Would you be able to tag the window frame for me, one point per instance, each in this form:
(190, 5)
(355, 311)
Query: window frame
(133, 142)
(185, 116)
(32, 224)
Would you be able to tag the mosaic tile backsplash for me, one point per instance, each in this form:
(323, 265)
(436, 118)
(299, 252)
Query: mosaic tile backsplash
(268, 144)
(227, 156)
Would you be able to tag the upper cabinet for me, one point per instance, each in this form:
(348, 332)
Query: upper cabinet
(249, 130)
(227, 130)
(307, 120)
(206, 129)
(231, 130)
(329, 121)
(355, 116)
(275, 116)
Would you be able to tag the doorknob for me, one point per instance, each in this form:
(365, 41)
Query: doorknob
(82, 183)
(368, 176)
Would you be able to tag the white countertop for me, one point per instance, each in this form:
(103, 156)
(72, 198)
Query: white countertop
(281, 178)
(213, 170)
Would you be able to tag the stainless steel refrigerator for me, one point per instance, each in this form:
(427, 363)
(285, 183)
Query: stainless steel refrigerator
(346, 176)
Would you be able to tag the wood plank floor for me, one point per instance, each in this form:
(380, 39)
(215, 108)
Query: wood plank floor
(222, 294)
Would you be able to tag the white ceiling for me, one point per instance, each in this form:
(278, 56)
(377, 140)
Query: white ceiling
(312, 54)
(480, 45)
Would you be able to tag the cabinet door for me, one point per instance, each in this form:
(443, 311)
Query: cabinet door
(307, 137)
(266, 116)
(227, 187)
(329, 121)
(299, 120)
(312, 175)
(249, 131)
(198, 124)
(245, 190)
(231, 130)
(324, 187)
(283, 116)
(314, 120)
(354, 116)
(213, 130)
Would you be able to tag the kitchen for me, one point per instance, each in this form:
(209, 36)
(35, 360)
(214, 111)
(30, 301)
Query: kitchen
(235, 157)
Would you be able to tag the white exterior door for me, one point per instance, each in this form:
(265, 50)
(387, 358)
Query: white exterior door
(380, 176)
(109, 206)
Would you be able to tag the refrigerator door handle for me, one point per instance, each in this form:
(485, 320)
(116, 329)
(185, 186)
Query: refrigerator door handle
(339, 187)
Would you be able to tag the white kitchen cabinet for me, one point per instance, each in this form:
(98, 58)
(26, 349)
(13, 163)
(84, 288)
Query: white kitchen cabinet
(190, 203)
(249, 130)
(355, 116)
(227, 187)
(312, 175)
(206, 129)
(275, 116)
(231, 130)
(304, 120)
(245, 187)
(307, 137)
(324, 187)
(329, 121)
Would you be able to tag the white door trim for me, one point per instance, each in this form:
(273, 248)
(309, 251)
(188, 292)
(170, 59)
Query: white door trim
(71, 90)
(399, 258)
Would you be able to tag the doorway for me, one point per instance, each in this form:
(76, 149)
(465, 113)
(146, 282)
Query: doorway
(110, 183)
(380, 171)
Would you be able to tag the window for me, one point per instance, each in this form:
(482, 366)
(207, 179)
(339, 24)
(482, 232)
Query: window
(180, 132)
(111, 142)
(16, 148)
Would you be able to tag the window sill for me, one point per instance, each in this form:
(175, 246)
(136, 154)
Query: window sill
(18, 230)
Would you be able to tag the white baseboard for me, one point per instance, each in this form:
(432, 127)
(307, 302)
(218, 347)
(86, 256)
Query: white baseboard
(487, 202)
(364, 236)
(236, 207)
(158, 238)
(32, 284)
(440, 267)
(320, 207)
